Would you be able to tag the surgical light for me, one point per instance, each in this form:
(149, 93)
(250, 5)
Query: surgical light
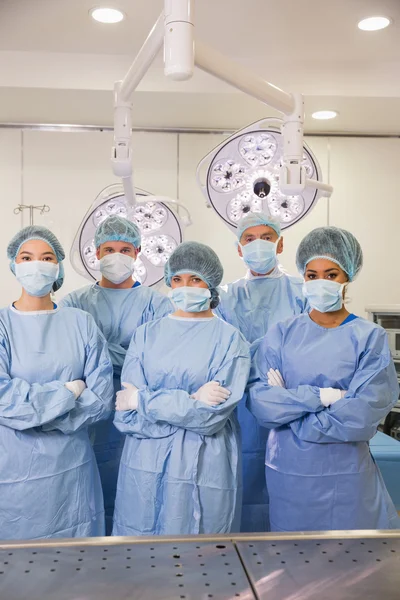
(374, 23)
(158, 220)
(106, 15)
(322, 115)
(242, 176)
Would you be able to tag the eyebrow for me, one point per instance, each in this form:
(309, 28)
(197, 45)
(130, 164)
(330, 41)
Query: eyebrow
(326, 270)
(44, 253)
(111, 248)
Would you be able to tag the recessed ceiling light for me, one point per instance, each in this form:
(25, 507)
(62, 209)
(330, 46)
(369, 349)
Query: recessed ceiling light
(374, 23)
(324, 114)
(106, 15)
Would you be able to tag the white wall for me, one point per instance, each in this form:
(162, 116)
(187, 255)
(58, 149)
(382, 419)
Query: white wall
(68, 170)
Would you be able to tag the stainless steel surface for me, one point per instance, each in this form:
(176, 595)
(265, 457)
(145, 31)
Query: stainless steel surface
(356, 569)
(288, 566)
(150, 571)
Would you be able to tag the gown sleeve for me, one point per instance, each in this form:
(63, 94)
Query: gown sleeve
(25, 405)
(177, 408)
(95, 402)
(372, 393)
(131, 422)
(276, 406)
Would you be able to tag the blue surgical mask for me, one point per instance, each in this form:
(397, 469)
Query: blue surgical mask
(324, 295)
(191, 299)
(37, 276)
(117, 267)
(260, 256)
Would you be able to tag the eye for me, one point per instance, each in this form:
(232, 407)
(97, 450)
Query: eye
(311, 276)
(332, 275)
(196, 280)
(26, 258)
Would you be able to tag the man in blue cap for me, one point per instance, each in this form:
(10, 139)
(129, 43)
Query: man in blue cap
(119, 305)
(265, 296)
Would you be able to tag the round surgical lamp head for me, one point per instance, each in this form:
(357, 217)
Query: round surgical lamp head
(159, 223)
(242, 176)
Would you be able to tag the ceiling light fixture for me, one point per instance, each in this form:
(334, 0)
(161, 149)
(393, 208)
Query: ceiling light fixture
(374, 23)
(158, 220)
(243, 176)
(322, 115)
(106, 15)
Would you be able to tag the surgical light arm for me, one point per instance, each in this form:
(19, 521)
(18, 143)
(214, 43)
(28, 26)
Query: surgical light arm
(175, 27)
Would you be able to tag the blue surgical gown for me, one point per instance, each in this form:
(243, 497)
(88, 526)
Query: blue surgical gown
(180, 470)
(49, 480)
(252, 306)
(117, 312)
(319, 470)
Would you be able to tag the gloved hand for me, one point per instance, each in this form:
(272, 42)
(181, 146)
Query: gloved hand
(331, 395)
(127, 399)
(212, 394)
(76, 387)
(275, 379)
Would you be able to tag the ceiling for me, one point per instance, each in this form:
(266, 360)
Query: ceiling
(58, 66)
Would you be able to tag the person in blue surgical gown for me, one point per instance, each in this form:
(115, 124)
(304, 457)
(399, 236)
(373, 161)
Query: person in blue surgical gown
(55, 381)
(184, 375)
(265, 296)
(119, 304)
(322, 383)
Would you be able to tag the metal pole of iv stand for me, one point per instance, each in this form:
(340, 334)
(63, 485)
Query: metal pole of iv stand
(43, 209)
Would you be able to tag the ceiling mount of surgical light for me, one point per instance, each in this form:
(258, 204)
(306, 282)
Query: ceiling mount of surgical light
(159, 223)
(243, 176)
(253, 170)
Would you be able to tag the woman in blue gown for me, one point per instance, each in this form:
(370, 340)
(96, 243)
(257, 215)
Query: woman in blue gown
(55, 380)
(184, 374)
(323, 382)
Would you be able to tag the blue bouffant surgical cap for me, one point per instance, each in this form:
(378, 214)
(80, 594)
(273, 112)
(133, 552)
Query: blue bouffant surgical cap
(199, 259)
(338, 245)
(37, 232)
(254, 219)
(117, 229)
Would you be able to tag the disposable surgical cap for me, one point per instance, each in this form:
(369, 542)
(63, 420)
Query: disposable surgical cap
(117, 229)
(338, 245)
(199, 259)
(37, 232)
(255, 219)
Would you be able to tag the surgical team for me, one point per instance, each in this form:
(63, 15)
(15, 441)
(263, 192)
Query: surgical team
(246, 407)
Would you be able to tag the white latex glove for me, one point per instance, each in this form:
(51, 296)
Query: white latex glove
(127, 399)
(331, 395)
(212, 393)
(76, 387)
(275, 378)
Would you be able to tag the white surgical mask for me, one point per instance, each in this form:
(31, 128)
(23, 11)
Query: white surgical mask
(324, 295)
(191, 299)
(260, 255)
(117, 267)
(37, 276)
